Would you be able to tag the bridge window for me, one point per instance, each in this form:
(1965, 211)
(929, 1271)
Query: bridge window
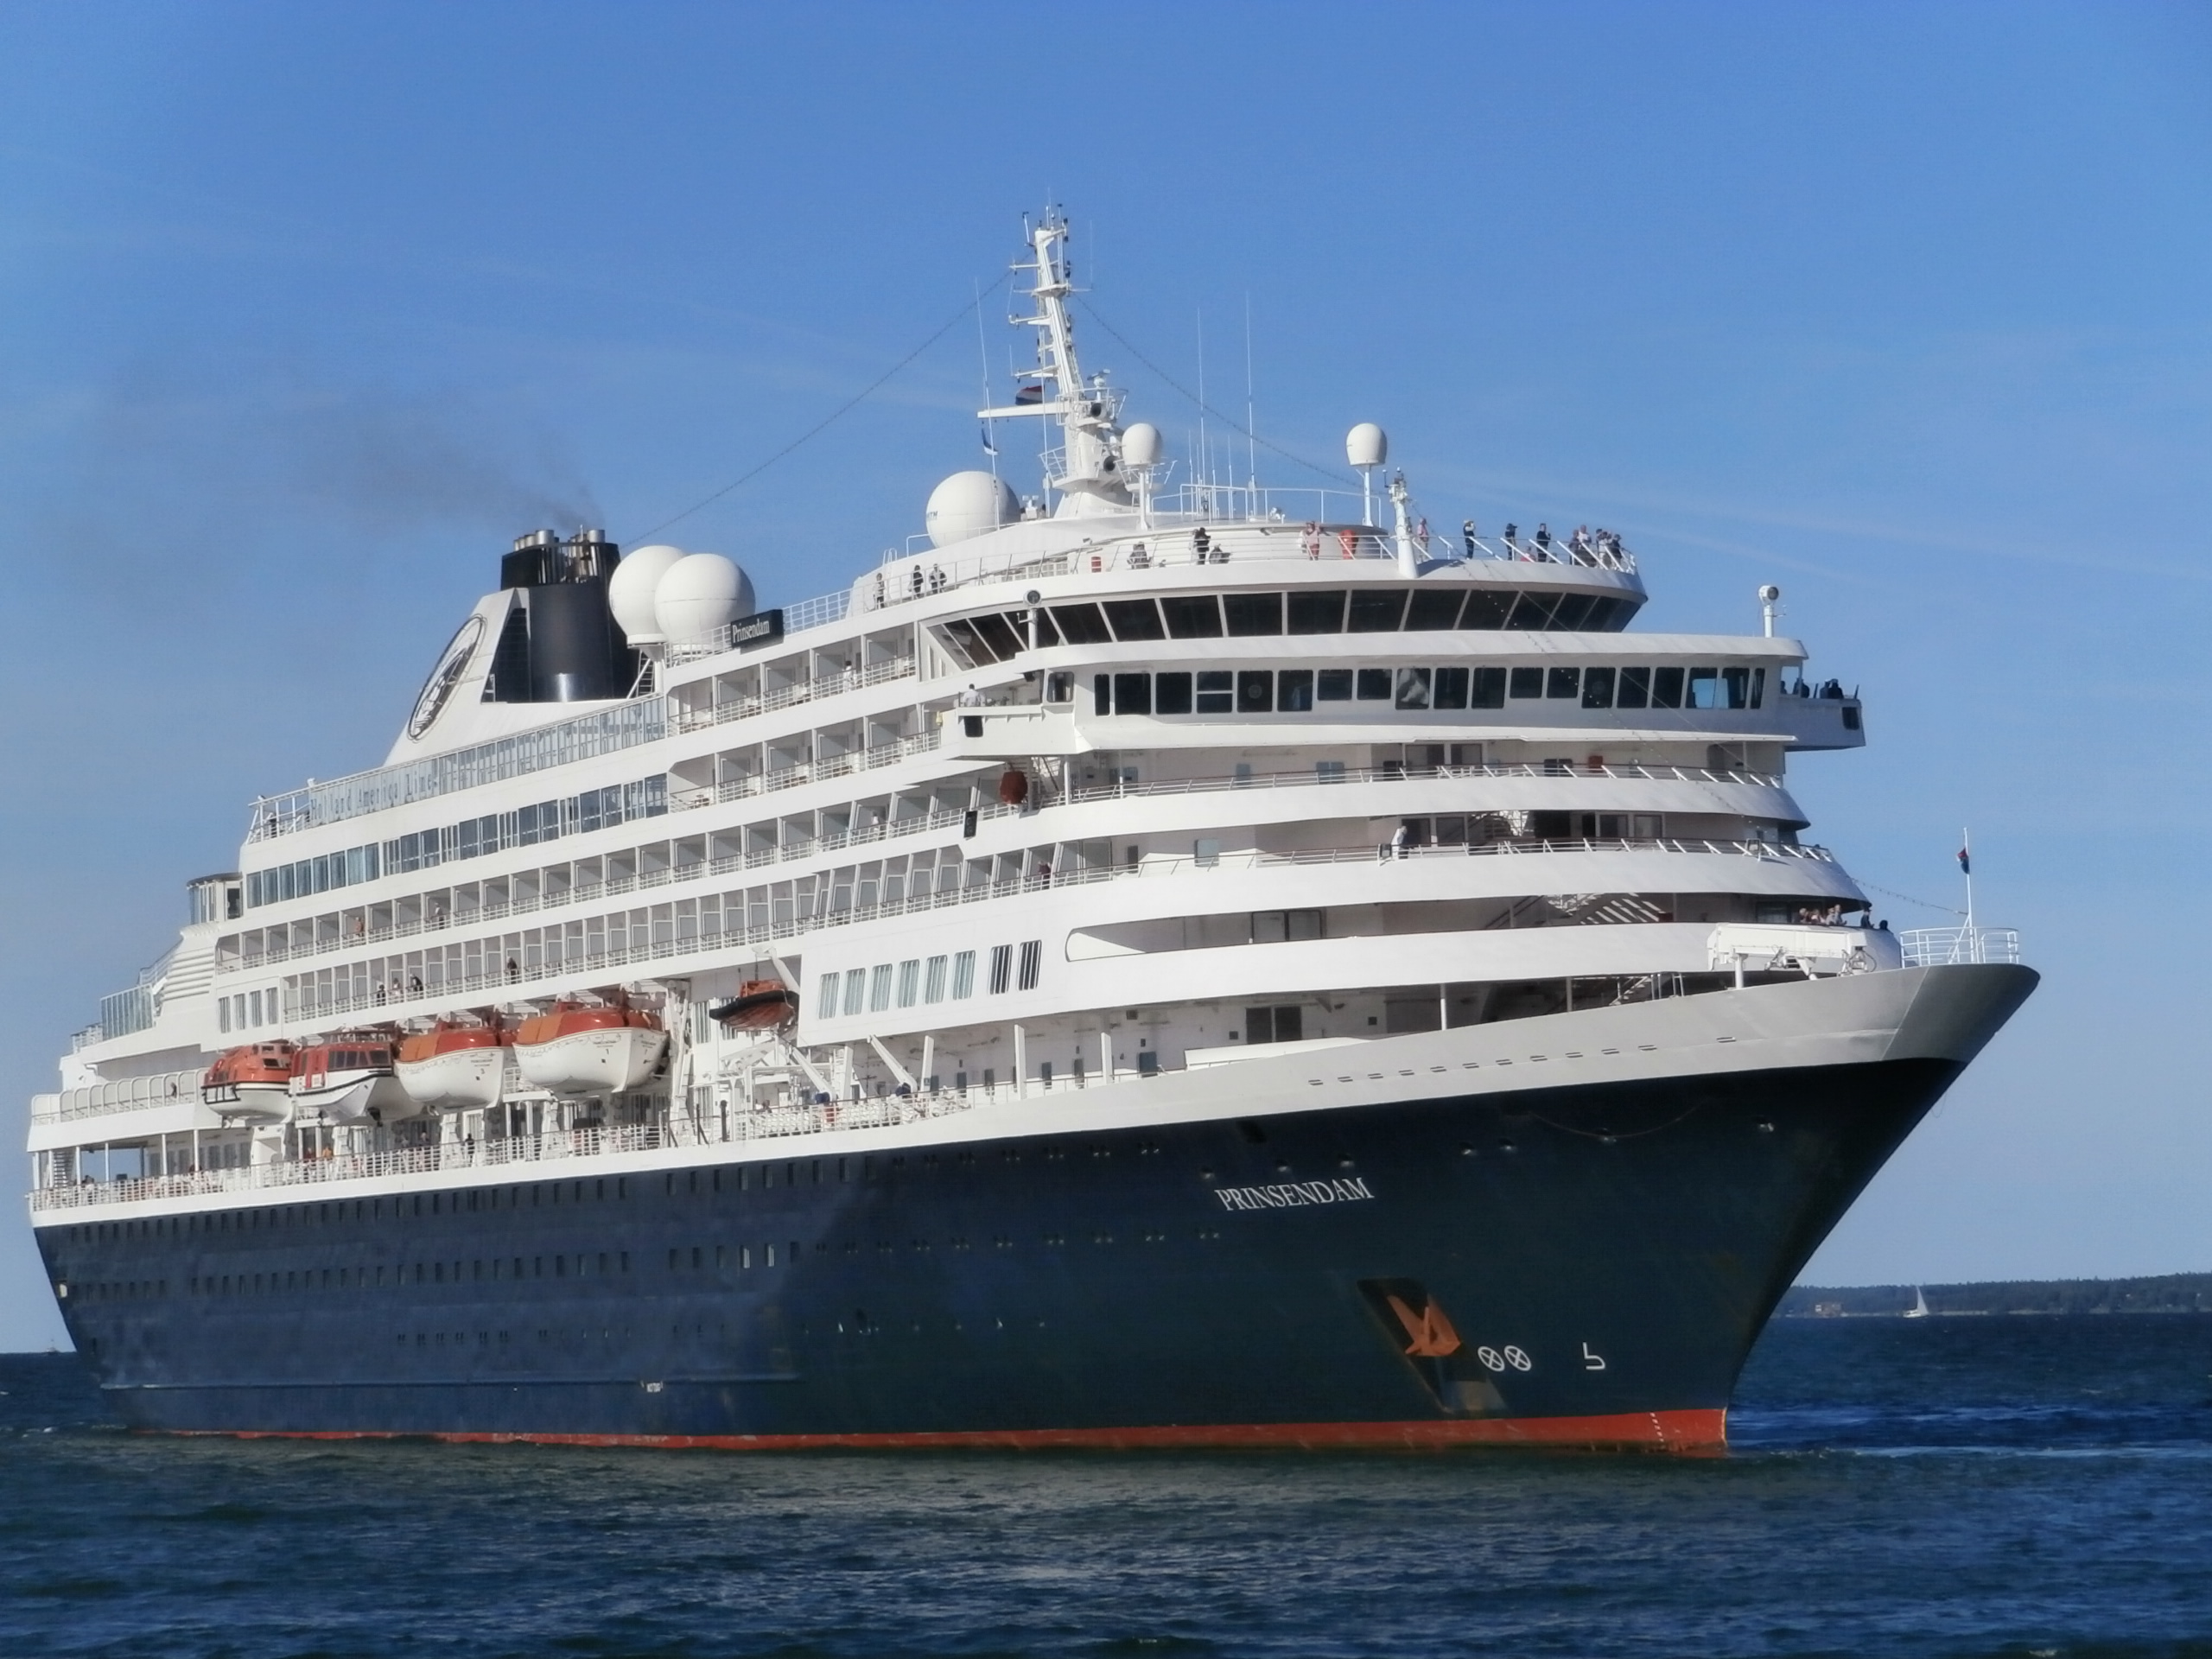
(1215, 693)
(1256, 691)
(1433, 608)
(1192, 616)
(1316, 612)
(1563, 682)
(1251, 615)
(1170, 694)
(1133, 618)
(1378, 612)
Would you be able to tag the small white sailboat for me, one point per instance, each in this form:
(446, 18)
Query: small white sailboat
(1919, 1308)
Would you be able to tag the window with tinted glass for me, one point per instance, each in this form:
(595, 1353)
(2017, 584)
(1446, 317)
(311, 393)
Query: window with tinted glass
(1563, 682)
(1332, 686)
(1705, 688)
(1216, 692)
(1170, 694)
(1316, 612)
(1412, 688)
(997, 632)
(1256, 691)
(1375, 685)
(1487, 608)
(1527, 682)
(1253, 614)
(1666, 688)
(1738, 689)
(1081, 625)
(1451, 688)
(1532, 612)
(1133, 694)
(1573, 612)
(1133, 618)
(1294, 691)
(1486, 689)
(1635, 689)
(1597, 688)
(1433, 608)
(1191, 616)
(1377, 611)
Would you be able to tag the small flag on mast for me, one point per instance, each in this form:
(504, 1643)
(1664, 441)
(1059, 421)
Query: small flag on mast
(1029, 395)
(989, 448)
(1966, 864)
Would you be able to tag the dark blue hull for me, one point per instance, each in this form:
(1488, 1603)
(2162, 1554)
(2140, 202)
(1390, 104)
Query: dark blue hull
(1598, 1259)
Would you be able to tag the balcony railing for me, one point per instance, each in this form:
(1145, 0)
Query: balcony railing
(1945, 947)
(530, 978)
(947, 819)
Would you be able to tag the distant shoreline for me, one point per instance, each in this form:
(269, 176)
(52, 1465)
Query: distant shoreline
(2172, 1293)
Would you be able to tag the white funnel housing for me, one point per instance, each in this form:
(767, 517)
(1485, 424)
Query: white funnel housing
(1366, 445)
(629, 593)
(967, 504)
(700, 593)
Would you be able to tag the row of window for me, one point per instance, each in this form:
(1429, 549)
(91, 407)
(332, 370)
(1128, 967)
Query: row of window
(594, 809)
(1299, 690)
(873, 990)
(997, 637)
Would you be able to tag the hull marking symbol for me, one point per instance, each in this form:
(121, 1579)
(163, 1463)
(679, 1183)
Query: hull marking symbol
(1432, 1333)
(1592, 1362)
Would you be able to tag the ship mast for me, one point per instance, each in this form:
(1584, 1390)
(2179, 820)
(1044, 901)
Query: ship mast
(1086, 469)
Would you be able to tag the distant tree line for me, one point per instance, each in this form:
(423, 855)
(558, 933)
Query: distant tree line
(2172, 1293)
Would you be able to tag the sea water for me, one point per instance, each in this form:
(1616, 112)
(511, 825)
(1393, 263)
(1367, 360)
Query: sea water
(1942, 1486)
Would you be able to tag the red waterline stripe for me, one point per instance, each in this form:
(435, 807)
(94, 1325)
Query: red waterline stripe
(1642, 1430)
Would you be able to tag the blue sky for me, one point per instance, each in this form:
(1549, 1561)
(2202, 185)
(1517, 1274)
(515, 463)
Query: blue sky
(306, 311)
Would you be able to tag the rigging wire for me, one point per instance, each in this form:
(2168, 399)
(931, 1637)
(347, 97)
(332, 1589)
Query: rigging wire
(1892, 892)
(827, 420)
(1204, 408)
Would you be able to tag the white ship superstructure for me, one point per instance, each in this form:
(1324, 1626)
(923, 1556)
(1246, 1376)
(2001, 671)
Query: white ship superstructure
(1128, 801)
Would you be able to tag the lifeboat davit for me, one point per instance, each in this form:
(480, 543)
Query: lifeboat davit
(455, 1066)
(251, 1085)
(759, 1005)
(577, 1048)
(349, 1078)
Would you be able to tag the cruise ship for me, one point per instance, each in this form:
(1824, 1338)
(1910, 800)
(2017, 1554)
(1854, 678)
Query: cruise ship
(1149, 962)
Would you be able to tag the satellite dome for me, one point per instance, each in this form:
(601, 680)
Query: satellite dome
(967, 504)
(700, 593)
(630, 592)
(1366, 446)
(1141, 445)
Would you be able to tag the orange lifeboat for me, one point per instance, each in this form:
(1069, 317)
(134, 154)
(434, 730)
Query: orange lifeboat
(349, 1078)
(251, 1083)
(589, 1048)
(759, 1005)
(456, 1066)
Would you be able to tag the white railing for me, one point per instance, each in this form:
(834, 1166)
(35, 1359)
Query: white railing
(681, 1130)
(827, 685)
(551, 964)
(122, 1094)
(945, 819)
(561, 744)
(1945, 947)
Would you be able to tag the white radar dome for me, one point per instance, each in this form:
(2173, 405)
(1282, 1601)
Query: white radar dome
(629, 593)
(967, 504)
(699, 593)
(1141, 445)
(1366, 446)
